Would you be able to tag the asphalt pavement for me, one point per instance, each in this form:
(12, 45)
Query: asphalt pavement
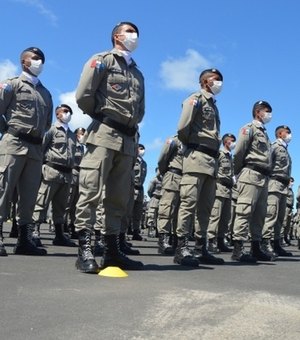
(47, 298)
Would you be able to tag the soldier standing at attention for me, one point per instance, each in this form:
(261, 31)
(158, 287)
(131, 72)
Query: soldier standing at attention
(59, 154)
(26, 111)
(199, 131)
(111, 91)
(140, 173)
(277, 192)
(221, 211)
(252, 166)
(170, 166)
(287, 225)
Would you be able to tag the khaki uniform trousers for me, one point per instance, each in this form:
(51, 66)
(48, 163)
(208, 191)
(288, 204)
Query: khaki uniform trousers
(220, 218)
(250, 211)
(137, 210)
(55, 192)
(275, 215)
(23, 173)
(168, 211)
(101, 166)
(287, 222)
(197, 195)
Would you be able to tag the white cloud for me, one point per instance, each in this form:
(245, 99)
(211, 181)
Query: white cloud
(41, 8)
(78, 118)
(7, 69)
(183, 73)
(156, 144)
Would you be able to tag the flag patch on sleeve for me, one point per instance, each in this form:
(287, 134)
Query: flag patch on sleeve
(245, 131)
(97, 64)
(194, 102)
(5, 87)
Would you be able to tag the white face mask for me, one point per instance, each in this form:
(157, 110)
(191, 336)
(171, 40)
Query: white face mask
(232, 145)
(80, 139)
(36, 67)
(130, 41)
(267, 117)
(216, 86)
(66, 117)
(288, 138)
(141, 153)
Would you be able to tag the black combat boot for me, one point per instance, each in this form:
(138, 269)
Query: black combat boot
(203, 255)
(136, 235)
(287, 240)
(60, 238)
(25, 245)
(125, 248)
(36, 235)
(279, 250)
(239, 254)
(86, 262)
(212, 247)
(2, 248)
(267, 248)
(14, 229)
(98, 248)
(164, 247)
(72, 232)
(183, 254)
(258, 253)
(114, 257)
(222, 246)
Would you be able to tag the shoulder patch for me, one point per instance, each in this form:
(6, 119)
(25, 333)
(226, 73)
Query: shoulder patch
(246, 131)
(169, 141)
(97, 64)
(5, 87)
(194, 102)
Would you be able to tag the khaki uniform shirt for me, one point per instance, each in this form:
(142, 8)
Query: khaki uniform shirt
(110, 87)
(253, 148)
(281, 168)
(59, 149)
(25, 108)
(225, 174)
(199, 124)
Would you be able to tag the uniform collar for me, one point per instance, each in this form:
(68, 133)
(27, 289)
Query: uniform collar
(259, 124)
(121, 54)
(32, 79)
(207, 94)
(282, 142)
(60, 124)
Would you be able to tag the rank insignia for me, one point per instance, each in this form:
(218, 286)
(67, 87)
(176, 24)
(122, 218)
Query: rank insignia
(116, 87)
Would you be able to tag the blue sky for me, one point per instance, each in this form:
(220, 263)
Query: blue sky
(254, 43)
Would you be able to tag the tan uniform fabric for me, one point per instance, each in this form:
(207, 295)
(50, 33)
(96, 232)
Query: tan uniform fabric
(112, 92)
(278, 190)
(221, 211)
(253, 150)
(59, 152)
(199, 130)
(27, 112)
(288, 216)
(170, 166)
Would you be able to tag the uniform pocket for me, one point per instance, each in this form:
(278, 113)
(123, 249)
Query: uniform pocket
(2, 177)
(244, 206)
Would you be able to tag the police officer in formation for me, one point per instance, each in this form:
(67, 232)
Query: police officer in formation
(287, 225)
(221, 211)
(111, 91)
(199, 131)
(252, 166)
(170, 166)
(59, 155)
(26, 114)
(278, 189)
(140, 173)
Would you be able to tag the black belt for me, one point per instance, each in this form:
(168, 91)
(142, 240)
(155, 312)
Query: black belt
(262, 171)
(25, 136)
(138, 187)
(77, 168)
(129, 131)
(204, 149)
(156, 196)
(225, 183)
(59, 167)
(284, 181)
(175, 171)
(289, 206)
